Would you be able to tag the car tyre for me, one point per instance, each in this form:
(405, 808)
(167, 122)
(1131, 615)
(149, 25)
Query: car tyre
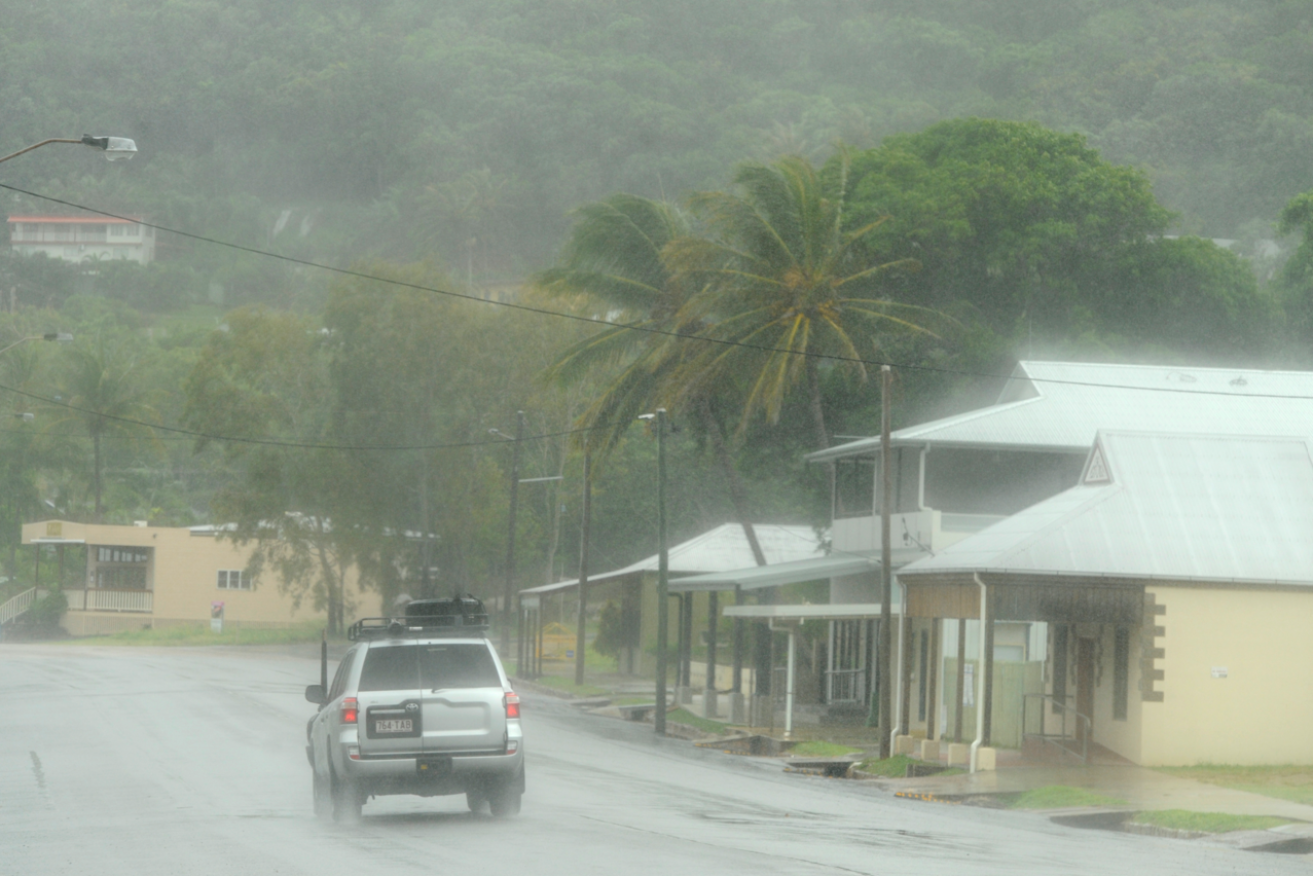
(347, 801)
(504, 801)
(476, 799)
(323, 797)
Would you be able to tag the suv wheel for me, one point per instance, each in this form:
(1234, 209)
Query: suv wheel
(323, 797)
(347, 801)
(476, 799)
(504, 800)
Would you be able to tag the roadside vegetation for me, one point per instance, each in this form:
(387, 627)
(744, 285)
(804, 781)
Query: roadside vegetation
(1294, 783)
(1206, 822)
(818, 748)
(187, 635)
(1062, 797)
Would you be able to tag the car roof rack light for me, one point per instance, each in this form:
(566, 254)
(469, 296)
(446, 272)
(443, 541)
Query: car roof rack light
(457, 616)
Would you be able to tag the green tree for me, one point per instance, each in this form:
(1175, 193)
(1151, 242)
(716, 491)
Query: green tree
(616, 262)
(785, 284)
(262, 384)
(103, 390)
(1030, 234)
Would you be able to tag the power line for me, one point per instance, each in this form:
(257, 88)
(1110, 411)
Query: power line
(559, 314)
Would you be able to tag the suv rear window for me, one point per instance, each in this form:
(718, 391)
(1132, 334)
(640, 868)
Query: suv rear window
(432, 667)
(457, 665)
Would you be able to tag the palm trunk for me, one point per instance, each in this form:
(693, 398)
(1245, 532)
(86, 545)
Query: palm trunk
(818, 410)
(739, 500)
(737, 496)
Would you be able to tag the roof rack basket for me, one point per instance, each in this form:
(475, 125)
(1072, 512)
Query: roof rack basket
(459, 615)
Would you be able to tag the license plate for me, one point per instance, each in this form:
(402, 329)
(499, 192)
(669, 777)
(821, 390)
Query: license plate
(394, 725)
(433, 766)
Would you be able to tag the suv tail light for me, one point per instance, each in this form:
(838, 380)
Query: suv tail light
(350, 710)
(512, 705)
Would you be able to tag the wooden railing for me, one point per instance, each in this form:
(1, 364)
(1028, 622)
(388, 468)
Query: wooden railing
(100, 599)
(12, 608)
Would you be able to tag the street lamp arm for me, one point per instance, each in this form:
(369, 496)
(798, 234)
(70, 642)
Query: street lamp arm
(38, 146)
(113, 147)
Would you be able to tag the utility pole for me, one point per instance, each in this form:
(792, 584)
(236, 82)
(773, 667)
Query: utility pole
(886, 566)
(583, 568)
(509, 593)
(663, 576)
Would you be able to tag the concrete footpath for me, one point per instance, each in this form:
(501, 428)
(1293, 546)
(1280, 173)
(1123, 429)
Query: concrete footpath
(1141, 789)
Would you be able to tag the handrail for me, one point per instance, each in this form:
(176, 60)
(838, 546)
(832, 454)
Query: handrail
(17, 605)
(1050, 737)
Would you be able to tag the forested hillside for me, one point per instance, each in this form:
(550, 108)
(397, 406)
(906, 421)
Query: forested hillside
(398, 128)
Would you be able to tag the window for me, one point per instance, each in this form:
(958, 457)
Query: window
(233, 579)
(1121, 668)
(343, 673)
(457, 666)
(854, 487)
(394, 668)
(121, 568)
(122, 555)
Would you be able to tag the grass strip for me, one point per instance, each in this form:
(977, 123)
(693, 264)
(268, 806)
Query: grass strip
(687, 718)
(1062, 797)
(817, 748)
(1206, 822)
(1284, 782)
(196, 635)
(893, 767)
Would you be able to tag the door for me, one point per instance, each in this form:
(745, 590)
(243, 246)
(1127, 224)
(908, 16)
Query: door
(1084, 685)
(464, 701)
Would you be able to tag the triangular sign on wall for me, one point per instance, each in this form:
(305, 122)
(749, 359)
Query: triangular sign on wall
(1097, 471)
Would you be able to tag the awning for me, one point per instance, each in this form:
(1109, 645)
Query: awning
(842, 611)
(758, 577)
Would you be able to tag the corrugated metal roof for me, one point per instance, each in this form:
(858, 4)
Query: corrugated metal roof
(757, 577)
(1178, 507)
(722, 549)
(1060, 406)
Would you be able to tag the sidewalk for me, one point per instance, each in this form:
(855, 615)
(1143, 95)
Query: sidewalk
(1141, 788)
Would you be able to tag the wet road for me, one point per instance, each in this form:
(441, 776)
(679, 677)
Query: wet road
(190, 761)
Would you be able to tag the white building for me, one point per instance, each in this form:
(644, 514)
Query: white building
(82, 238)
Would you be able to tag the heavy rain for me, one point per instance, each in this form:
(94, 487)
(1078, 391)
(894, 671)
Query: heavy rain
(589, 436)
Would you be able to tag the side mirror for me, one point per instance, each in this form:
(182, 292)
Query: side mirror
(316, 694)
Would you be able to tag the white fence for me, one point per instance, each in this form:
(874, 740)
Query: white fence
(99, 599)
(12, 608)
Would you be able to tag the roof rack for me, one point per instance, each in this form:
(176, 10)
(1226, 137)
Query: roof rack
(458, 616)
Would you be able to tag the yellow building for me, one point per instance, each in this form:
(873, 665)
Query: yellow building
(151, 576)
(1176, 584)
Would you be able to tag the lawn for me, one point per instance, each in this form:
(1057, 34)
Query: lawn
(197, 635)
(896, 767)
(1207, 822)
(688, 719)
(1294, 783)
(817, 748)
(1062, 797)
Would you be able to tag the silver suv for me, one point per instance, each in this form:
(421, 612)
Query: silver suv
(419, 705)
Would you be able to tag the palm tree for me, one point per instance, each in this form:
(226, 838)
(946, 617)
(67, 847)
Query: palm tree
(101, 393)
(615, 261)
(785, 285)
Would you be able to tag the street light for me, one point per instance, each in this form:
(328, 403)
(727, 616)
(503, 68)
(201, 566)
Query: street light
(115, 148)
(663, 572)
(61, 337)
